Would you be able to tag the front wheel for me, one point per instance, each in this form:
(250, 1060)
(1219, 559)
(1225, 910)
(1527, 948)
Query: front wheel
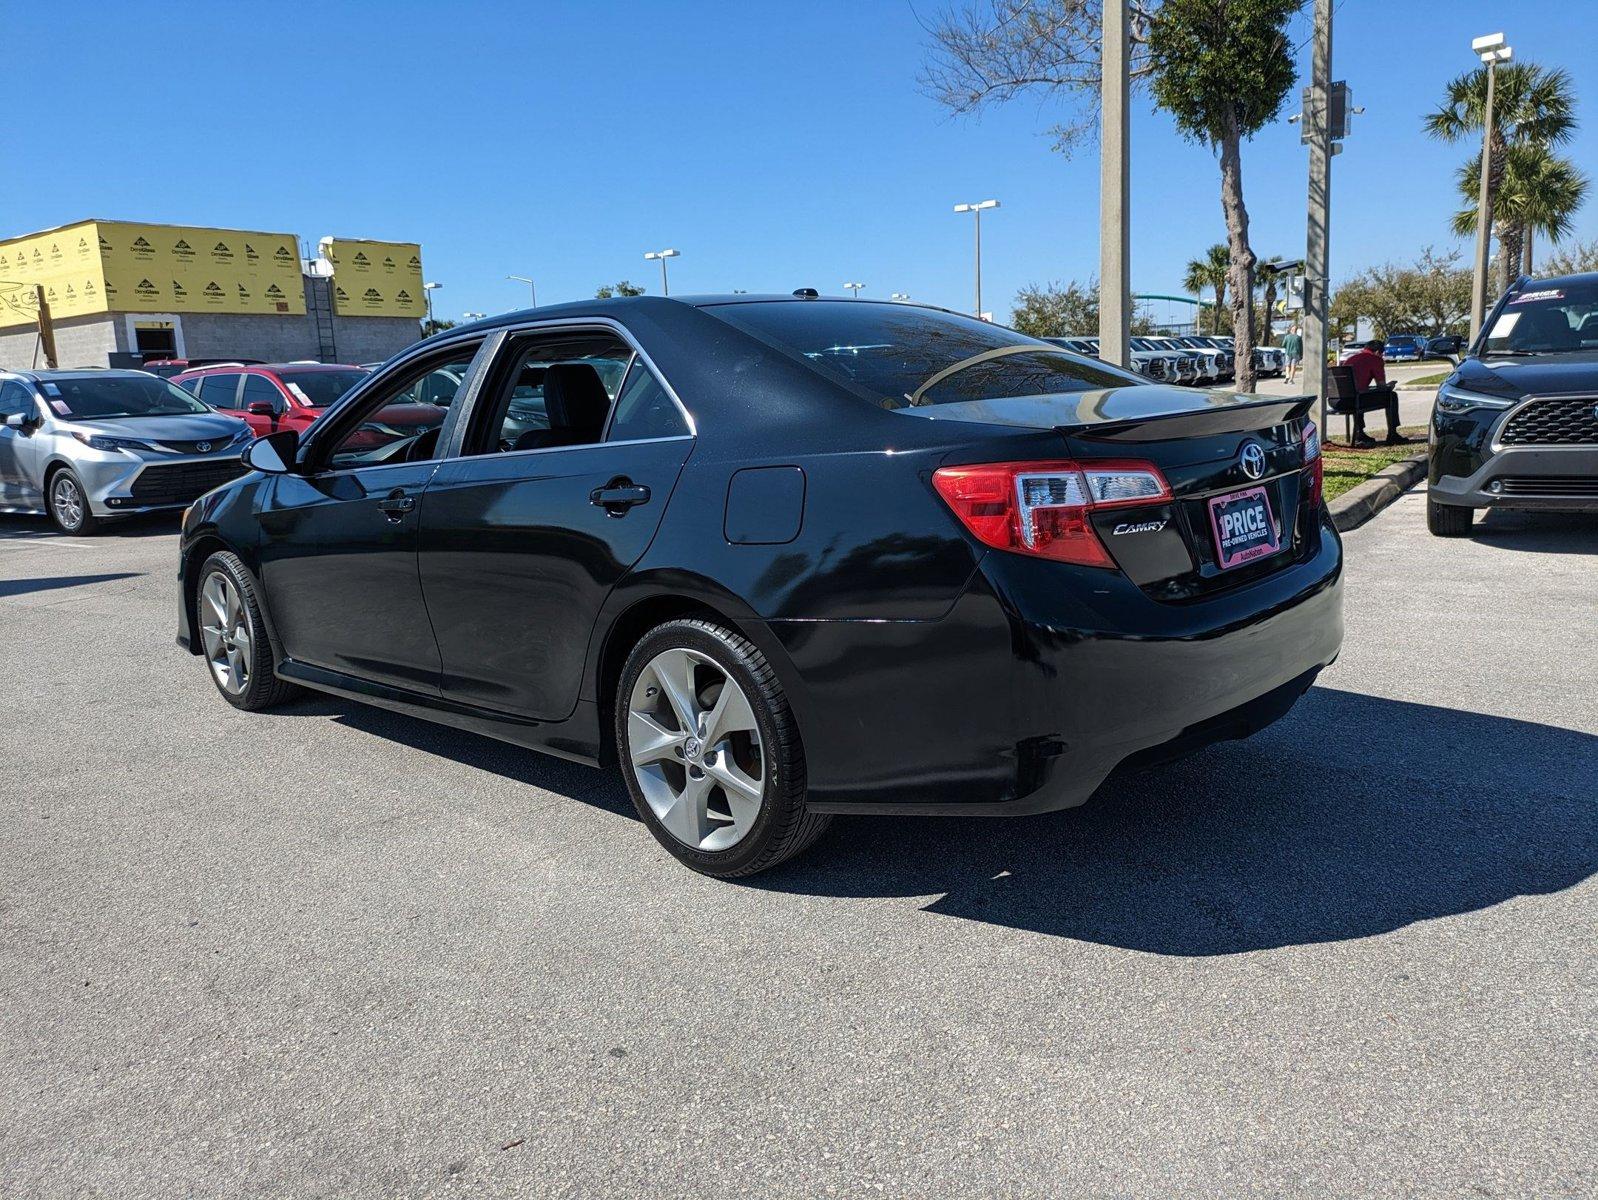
(233, 636)
(711, 751)
(69, 504)
(1448, 520)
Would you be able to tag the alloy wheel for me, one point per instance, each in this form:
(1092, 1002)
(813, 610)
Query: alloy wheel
(695, 749)
(225, 631)
(67, 501)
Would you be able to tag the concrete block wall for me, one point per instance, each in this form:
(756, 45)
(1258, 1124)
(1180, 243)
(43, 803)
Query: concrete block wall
(79, 342)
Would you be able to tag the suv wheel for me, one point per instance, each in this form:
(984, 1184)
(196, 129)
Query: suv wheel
(69, 504)
(233, 636)
(711, 752)
(1448, 520)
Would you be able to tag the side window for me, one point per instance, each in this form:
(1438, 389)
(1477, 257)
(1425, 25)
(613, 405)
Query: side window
(14, 399)
(260, 389)
(643, 409)
(220, 391)
(394, 422)
(549, 390)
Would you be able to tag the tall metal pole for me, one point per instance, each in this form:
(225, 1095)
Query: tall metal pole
(978, 214)
(1115, 190)
(1317, 252)
(1484, 214)
(665, 290)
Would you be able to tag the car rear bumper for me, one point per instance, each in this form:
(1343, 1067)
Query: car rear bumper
(1015, 703)
(1551, 478)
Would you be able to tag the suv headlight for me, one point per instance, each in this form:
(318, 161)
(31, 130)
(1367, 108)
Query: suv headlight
(1456, 400)
(96, 441)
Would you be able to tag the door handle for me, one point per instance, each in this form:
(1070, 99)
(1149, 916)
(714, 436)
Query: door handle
(396, 504)
(617, 496)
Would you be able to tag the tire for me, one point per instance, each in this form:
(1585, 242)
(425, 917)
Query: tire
(1448, 520)
(68, 504)
(712, 821)
(225, 601)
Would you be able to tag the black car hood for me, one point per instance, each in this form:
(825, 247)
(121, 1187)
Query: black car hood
(1512, 378)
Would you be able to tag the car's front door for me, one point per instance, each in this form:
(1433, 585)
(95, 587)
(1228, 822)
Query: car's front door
(19, 484)
(572, 451)
(339, 540)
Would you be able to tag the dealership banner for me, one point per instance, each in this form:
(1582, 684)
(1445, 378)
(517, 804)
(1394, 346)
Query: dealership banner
(375, 279)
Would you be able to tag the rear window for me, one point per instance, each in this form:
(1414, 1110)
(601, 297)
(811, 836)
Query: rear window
(894, 355)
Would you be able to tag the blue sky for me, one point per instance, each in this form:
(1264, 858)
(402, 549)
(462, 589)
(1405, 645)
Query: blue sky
(776, 146)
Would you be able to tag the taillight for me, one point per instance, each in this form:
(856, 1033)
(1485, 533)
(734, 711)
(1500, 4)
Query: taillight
(1041, 508)
(1314, 464)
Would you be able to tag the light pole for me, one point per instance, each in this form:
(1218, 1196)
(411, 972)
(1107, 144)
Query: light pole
(855, 288)
(531, 286)
(976, 211)
(662, 255)
(474, 316)
(901, 295)
(429, 289)
(1115, 188)
(1492, 51)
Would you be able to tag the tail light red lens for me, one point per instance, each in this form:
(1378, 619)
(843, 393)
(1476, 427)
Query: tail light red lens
(1042, 508)
(1314, 465)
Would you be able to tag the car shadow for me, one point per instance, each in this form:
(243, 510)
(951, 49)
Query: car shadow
(1544, 533)
(22, 587)
(1353, 816)
(27, 526)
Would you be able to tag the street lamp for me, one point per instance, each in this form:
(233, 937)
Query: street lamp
(474, 316)
(531, 286)
(662, 255)
(428, 289)
(976, 210)
(855, 288)
(1492, 51)
(901, 296)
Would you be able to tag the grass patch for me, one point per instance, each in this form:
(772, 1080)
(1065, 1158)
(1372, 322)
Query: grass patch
(1427, 381)
(1345, 468)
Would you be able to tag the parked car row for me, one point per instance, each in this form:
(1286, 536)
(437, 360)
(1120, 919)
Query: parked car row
(1413, 347)
(1192, 359)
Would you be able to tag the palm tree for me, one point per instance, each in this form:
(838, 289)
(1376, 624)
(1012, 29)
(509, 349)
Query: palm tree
(1532, 106)
(1540, 193)
(1210, 272)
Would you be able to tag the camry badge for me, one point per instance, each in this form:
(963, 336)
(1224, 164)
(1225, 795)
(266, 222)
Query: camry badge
(1252, 460)
(203, 447)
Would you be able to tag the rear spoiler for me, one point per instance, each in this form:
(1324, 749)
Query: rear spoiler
(1222, 413)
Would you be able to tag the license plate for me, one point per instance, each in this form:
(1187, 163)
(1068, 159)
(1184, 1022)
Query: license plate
(1244, 528)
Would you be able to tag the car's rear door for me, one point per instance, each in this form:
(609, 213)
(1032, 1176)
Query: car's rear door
(18, 455)
(548, 504)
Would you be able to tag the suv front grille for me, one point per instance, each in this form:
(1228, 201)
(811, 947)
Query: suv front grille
(1556, 421)
(179, 483)
(1552, 487)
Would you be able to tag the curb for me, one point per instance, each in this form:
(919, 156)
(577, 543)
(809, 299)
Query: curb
(1363, 501)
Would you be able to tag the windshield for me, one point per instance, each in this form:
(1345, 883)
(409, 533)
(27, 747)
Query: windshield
(889, 353)
(319, 388)
(1547, 320)
(90, 397)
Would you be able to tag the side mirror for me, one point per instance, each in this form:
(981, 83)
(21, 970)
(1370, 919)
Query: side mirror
(274, 453)
(19, 421)
(261, 408)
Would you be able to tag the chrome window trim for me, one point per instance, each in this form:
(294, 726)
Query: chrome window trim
(1496, 446)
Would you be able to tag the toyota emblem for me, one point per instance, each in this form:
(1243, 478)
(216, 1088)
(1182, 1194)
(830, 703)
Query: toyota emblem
(1252, 459)
(203, 447)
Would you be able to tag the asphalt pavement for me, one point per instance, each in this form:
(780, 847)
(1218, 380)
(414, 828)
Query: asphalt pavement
(331, 951)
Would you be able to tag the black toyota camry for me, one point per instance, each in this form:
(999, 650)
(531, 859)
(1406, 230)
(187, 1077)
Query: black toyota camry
(1516, 423)
(779, 558)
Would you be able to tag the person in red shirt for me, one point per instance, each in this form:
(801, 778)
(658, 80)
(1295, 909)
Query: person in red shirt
(1370, 381)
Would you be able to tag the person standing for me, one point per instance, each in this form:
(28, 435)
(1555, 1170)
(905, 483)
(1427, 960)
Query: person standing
(1293, 348)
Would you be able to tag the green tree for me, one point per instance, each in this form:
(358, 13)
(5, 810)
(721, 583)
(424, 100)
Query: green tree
(1532, 106)
(1209, 272)
(1540, 193)
(1431, 295)
(1221, 68)
(1051, 310)
(432, 325)
(612, 290)
(1575, 259)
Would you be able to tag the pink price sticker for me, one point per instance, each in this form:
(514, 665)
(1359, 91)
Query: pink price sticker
(1545, 294)
(61, 408)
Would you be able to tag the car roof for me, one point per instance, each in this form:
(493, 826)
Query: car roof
(273, 367)
(40, 374)
(1584, 278)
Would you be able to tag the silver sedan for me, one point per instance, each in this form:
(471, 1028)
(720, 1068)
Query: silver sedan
(85, 445)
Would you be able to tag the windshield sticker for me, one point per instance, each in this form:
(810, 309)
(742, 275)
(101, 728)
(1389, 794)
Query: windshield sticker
(61, 408)
(1503, 326)
(1545, 294)
(51, 389)
(299, 391)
